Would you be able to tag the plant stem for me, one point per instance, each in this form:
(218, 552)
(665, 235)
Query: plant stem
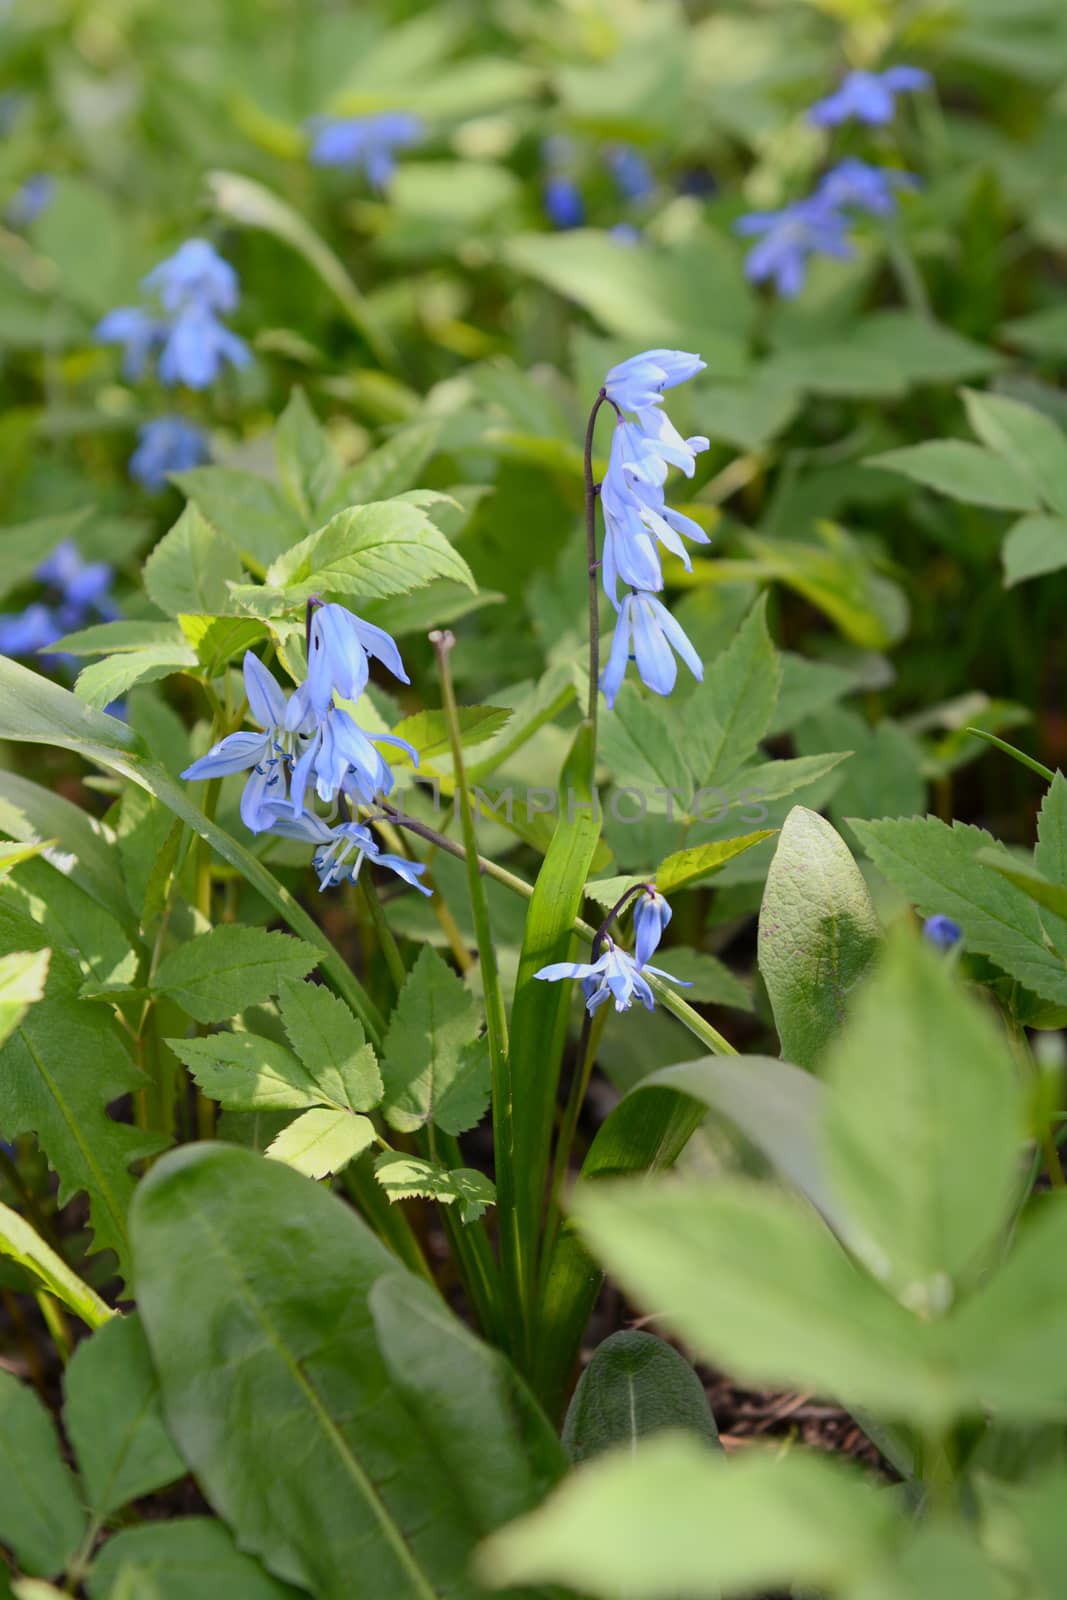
(588, 1045)
(591, 489)
(386, 941)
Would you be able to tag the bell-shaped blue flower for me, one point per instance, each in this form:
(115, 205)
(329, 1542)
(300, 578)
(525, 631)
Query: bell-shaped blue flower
(83, 585)
(138, 332)
(651, 916)
(165, 445)
(652, 444)
(33, 196)
(367, 144)
(647, 633)
(341, 849)
(636, 517)
(787, 240)
(339, 643)
(196, 348)
(194, 278)
(942, 932)
(615, 975)
(867, 96)
(863, 186)
(338, 756)
(638, 383)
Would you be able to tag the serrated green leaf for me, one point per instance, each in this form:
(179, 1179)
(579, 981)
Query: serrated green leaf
(331, 1045)
(727, 715)
(1026, 439)
(406, 1177)
(322, 1141)
(186, 1558)
(428, 730)
(635, 1385)
(217, 640)
(190, 568)
(22, 981)
(247, 515)
(245, 1072)
(435, 1063)
(86, 847)
(221, 972)
(384, 548)
(106, 681)
(75, 922)
(41, 1519)
(963, 471)
(19, 1243)
(113, 1419)
(644, 746)
(686, 867)
(111, 638)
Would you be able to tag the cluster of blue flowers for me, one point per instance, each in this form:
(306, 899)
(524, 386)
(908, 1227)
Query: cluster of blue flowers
(77, 592)
(615, 974)
(364, 144)
(637, 520)
(819, 224)
(562, 197)
(182, 327)
(307, 742)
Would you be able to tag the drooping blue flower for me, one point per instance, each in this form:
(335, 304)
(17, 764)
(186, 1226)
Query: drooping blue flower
(339, 644)
(367, 144)
(562, 200)
(194, 278)
(338, 756)
(864, 186)
(24, 633)
(646, 633)
(139, 333)
(651, 916)
(196, 348)
(637, 384)
(652, 444)
(788, 238)
(942, 932)
(270, 754)
(341, 850)
(868, 96)
(635, 517)
(631, 172)
(165, 445)
(615, 975)
(29, 200)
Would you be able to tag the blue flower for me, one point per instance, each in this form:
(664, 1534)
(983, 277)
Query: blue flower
(868, 96)
(867, 188)
(339, 643)
(563, 203)
(29, 200)
(632, 173)
(24, 633)
(342, 849)
(942, 932)
(789, 237)
(638, 383)
(83, 585)
(646, 628)
(635, 516)
(194, 278)
(339, 756)
(651, 916)
(652, 444)
(615, 975)
(368, 144)
(165, 445)
(137, 331)
(197, 345)
(270, 754)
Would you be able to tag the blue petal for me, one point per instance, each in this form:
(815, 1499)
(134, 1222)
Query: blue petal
(236, 753)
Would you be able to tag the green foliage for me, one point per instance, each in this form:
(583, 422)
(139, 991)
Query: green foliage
(435, 1063)
(190, 1556)
(41, 1516)
(229, 968)
(635, 1385)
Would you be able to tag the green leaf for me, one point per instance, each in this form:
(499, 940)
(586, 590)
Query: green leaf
(435, 1063)
(86, 852)
(727, 715)
(384, 548)
(188, 1558)
(19, 1243)
(274, 1387)
(217, 640)
(406, 1177)
(247, 514)
(322, 1141)
(308, 465)
(113, 1419)
(59, 1071)
(818, 934)
(923, 351)
(759, 1287)
(1026, 439)
(22, 981)
(924, 1127)
(245, 1072)
(643, 744)
(635, 1385)
(943, 869)
(245, 201)
(686, 867)
(395, 466)
(331, 1045)
(75, 922)
(41, 1519)
(964, 472)
(710, 980)
(27, 544)
(1033, 546)
(190, 567)
(836, 576)
(428, 730)
(807, 688)
(111, 638)
(106, 681)
(674, 1518)
(219, 973)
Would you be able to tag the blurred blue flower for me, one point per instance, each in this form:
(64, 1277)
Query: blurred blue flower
(368, 144)
(651, 916)
(564, 206)
(863, 186)
(646, 633)
(78, 589)
(868, 96)
(29, 200)
(24, 633)
(631, 172)
(614, 975)
(342, 849)
(788, 238)
(638, 383)
(137, 331)
(339, 644)
(166, 444)
(195, 277)
(197, 347)
(942, 932)
(82, 585)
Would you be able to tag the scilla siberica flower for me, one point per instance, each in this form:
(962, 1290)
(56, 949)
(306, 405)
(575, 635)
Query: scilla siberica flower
(631, 172)
(864, 187)
(367, 144)
(191, 288)
(651, 916)
(646, 633)
(342, 849)
(562, 199)
(614, 975)
(942, 932)
(165, 445)
(867, 96)
(787, 240)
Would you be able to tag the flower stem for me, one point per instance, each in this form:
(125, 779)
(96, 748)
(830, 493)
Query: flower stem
(591, 488)
(588, 1044)
(386, 941)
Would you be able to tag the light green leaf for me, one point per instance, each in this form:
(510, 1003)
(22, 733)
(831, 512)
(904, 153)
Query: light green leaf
(1026, 439)
(836, 368)
(247, 514)
(111, 638)
(686, 867)
(964, 472)
(106, 681)
(86, 847)
(395, 466)
(404, 1177)
(727, 715)
(217, 640)
(19, 1243)
(807, 687)
(384, 548)
(190, 567)
(322, 1141)
(41, 1519)
(244, 1072)
(1033, 546)
(27, 544)
(643, 744)
(22, 981)
(884, 772)
(187, 1558)
(673, 1520)
(308, 465)
(923, 351)
(113, 1419)
(428, 730)
(221, 972)
(635, 1385)
(436, 1063)
(710, 980)
(331, 1045)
